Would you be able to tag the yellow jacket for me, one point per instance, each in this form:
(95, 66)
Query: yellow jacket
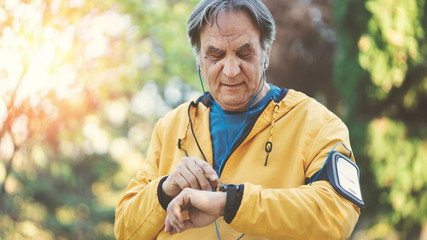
(276, 202)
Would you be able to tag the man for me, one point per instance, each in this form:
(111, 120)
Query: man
(265, 140)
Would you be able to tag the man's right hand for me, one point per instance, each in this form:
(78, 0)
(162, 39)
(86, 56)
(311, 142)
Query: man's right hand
(192, 173)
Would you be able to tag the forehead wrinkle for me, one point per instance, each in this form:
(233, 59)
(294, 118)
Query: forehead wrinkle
(224, 35)
(237, 43)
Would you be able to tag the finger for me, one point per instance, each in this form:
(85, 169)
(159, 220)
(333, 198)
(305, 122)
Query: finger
(173, 226)
(174, 184)
(179, 219)
(168, 228)
(213, 183)
(173, 230)
(180, 181)
(167, 225)
(200, 176)
(174, 214)
(189, 176)
(209, 172)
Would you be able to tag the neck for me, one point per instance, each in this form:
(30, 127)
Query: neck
(260, 95)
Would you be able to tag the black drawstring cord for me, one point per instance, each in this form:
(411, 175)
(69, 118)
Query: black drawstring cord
(268, 148)
(192, 131)
(269, 143)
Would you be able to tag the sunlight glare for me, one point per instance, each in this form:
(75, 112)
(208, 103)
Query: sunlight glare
(41, 53)
(19, 129)
(3, 111)
(96, 47)
(120, 148)
(76, 3)
(148, 101)
(3, 15)
(62, 79)
(99, 139)
(55, 6)
(117, 111)
(136, 135)
(11, 4)
(116, 23)
(12, 69)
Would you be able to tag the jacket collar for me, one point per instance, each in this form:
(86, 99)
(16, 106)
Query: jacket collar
(204, 99)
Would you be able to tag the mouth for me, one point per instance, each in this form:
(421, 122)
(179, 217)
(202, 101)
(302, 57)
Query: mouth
(232, 85)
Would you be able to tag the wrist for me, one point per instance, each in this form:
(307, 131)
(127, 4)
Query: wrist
(223, 200)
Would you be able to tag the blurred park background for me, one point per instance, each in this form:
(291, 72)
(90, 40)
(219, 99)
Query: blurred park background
(82, 83)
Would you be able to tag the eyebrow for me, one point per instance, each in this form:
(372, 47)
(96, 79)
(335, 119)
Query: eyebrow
(213, 49)
(244, 47)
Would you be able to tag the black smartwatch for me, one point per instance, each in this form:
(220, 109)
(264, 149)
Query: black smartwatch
(233, 200)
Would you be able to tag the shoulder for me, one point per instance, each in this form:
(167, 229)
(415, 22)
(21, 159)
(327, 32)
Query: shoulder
(179, 114)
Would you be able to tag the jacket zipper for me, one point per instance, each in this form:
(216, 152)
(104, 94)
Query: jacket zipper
(241, 140)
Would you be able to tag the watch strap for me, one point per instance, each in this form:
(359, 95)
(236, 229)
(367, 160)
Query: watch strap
(161, 196)
(233, 201)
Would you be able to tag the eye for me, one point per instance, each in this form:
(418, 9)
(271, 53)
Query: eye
(244, 54)
(217, 55)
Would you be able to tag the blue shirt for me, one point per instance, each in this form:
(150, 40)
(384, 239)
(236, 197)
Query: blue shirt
(235, 125)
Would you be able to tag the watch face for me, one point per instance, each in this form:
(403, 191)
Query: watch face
(224, 187)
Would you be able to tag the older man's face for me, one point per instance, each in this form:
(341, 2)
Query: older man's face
(232, 60)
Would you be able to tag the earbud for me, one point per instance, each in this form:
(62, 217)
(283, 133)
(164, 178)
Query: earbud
(198, 67)
(265, 64)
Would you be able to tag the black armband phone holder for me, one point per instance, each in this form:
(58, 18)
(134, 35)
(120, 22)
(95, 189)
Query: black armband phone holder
(343, 174)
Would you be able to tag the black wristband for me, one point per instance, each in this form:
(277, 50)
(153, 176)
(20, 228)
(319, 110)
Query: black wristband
(161, 196)
(233, 200)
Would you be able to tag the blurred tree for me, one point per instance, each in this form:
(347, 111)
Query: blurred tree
(381, 71)
(81, 86)
(83, 82)
(163, 31)
(64, 69)
(302, 55)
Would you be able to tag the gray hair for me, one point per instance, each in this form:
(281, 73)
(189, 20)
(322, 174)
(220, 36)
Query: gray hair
(207, 11)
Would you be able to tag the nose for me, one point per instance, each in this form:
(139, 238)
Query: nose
(231, 67)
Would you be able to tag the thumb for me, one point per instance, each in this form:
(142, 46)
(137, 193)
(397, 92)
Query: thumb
(213, 182)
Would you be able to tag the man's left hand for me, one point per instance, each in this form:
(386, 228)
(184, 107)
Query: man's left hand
(204, 207)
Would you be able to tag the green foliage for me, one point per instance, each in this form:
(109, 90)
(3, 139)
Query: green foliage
(391, 43)
(163, 35)
(399, 162)
(82, 85)
(77, 107)
(348, 74)
(380, 67)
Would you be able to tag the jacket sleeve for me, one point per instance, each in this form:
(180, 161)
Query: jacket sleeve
(314, 211)
(139, 214)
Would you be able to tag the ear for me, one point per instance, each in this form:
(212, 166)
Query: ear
(267, 59)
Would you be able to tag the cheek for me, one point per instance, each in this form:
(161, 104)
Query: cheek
(254, 74)
(212, 74)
